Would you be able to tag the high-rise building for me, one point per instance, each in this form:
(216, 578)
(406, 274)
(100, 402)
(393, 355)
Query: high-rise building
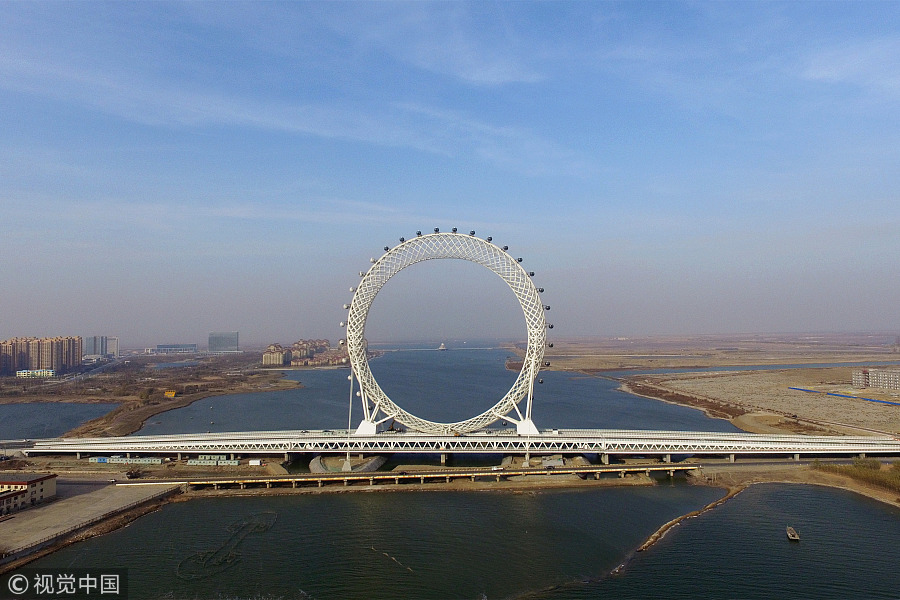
(57, 353)
(223, 341)
(94, 345)
(101, 345)
(275, 354)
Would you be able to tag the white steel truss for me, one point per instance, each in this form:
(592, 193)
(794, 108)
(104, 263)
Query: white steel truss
(377, 407)
(562, 441)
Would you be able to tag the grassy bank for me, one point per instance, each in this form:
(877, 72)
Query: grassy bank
(869, 471)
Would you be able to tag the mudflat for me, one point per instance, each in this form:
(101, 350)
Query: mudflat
(767, 401)
(757, 401)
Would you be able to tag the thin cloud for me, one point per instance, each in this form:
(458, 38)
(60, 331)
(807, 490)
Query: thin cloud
(510, 147)
(872, 65)
(151, 102)
(446, 39)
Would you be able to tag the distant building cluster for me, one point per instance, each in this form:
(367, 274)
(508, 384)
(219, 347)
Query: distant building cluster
(220, 342)
(101, 346)
(58, 354)
(173, 349)
(223, 342)
(304, 353)
(885, 379)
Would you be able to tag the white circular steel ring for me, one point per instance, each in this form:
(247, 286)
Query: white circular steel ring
(444, 246)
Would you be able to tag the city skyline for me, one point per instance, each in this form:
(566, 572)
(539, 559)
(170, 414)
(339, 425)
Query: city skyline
(174, 169)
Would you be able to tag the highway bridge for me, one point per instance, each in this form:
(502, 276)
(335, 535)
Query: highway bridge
(604, 442)
(420, 476)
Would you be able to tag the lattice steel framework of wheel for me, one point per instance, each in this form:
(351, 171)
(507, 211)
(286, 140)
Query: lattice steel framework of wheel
(377, 407)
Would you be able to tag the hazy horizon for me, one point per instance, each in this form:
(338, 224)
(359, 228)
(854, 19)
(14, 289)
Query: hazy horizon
(173, 169)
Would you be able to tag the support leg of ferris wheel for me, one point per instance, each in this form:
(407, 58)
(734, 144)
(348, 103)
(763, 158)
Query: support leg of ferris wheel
(526, 426)
(368, 425)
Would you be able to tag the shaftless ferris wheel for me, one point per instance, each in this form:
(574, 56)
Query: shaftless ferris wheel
(377, 407)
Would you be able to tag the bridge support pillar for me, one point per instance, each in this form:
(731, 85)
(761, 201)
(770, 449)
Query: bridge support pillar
(179, 456)
(320, 483)
(667, 458)
(862, 455)
(443, 458)
(396, 480)
(371, 481)
(597, 475)
(268, 484)
(78, 456)
(604, 458)
(215, 486)
(294, 483)
(448, 479)
(231, 455)
(621, 474)
(421, 480)
(796, 456)
(731, 458)
(473, 478)
(346, 482)
(671, 473)
(287, 457)
(243, 486)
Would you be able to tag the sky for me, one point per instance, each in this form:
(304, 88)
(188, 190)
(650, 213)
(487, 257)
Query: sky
(172, 169)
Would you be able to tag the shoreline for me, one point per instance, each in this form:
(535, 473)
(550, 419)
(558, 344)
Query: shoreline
(804, 401)
(660, 533)
(803, 476)
(708, 408)
(126, 419)
(127, 516)
(733, 479)
(750, 421)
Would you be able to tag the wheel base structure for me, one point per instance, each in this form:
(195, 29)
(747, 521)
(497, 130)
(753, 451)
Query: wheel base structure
(527, 427)
(523, 427)
(366, 428)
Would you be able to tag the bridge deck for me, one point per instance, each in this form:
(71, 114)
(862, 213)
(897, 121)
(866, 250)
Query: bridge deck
(420, 476)
(556, 441)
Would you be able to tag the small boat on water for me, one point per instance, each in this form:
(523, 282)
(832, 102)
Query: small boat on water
(792, 534)
(442, 346)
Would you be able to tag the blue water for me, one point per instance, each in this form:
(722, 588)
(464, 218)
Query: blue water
(848, 549)
(322, 403)
(46, 419)
(545, 544)
(442, 386)
(553, 545)
(392, 545)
